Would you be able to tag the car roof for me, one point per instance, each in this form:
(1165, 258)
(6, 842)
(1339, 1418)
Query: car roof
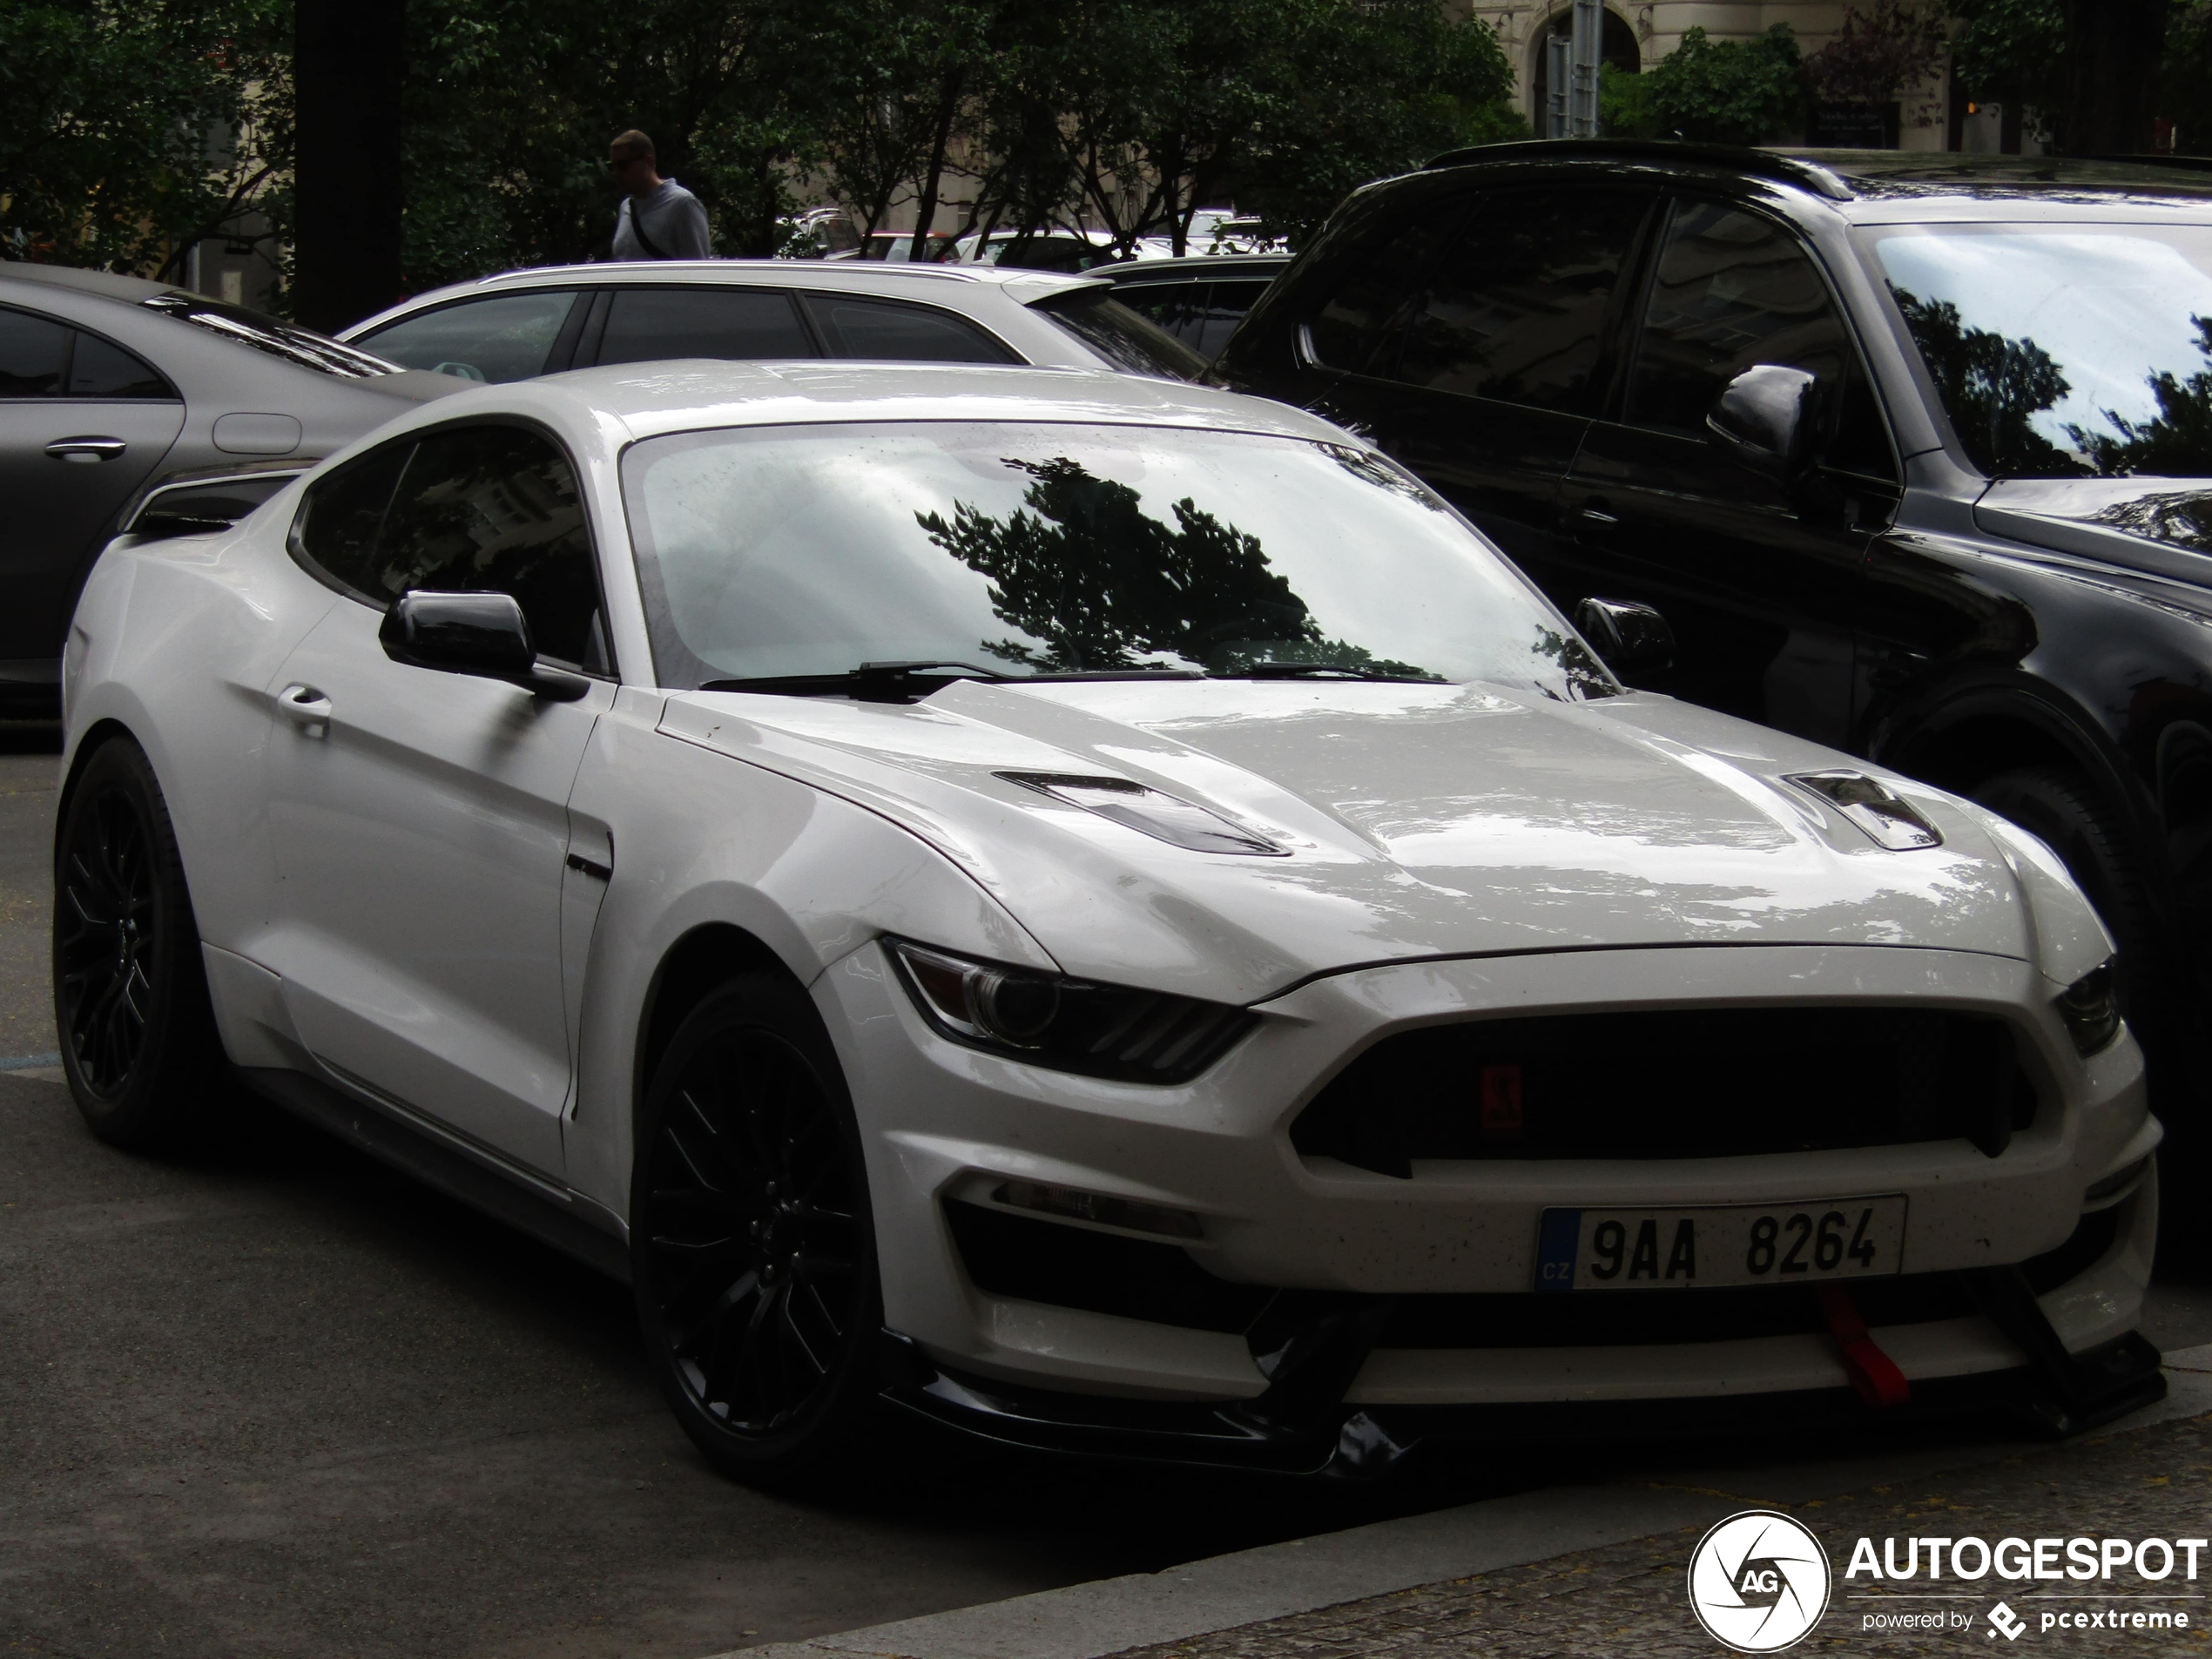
(1881, 185)
(691, 394)
(882, 278)
(1196, 266)
(105, 284)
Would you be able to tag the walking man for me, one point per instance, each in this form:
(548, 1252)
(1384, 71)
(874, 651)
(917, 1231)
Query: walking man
(658, 218)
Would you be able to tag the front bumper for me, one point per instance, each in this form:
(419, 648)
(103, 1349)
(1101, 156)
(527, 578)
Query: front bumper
(948, 1127)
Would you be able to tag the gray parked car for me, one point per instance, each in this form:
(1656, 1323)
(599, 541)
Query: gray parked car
(126, 402)
(521, 324)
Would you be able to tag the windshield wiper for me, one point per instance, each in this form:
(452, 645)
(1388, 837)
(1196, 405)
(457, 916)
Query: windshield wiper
(1300, 671)
(869, 683)
(909, 682)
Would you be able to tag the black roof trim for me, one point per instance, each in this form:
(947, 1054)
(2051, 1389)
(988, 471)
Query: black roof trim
(2178, 164)
(1763, 164)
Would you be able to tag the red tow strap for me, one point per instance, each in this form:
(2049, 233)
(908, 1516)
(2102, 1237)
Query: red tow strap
(1872, 1372)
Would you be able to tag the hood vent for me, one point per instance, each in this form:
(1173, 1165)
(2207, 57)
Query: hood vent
(1889, 820)
(1163, 817)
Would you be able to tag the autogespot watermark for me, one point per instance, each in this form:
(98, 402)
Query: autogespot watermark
(1760, 1582)
(2138, 1585)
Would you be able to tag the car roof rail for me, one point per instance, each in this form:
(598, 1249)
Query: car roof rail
(1764, 163)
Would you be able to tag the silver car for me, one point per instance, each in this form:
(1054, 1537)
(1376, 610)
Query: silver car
(128, 402)
(524, 323)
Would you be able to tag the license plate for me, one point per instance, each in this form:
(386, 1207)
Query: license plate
(1748, 1243)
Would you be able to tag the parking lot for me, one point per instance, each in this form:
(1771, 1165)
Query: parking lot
(275, 1399)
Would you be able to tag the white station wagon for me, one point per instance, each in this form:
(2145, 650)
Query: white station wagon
(1097, 911)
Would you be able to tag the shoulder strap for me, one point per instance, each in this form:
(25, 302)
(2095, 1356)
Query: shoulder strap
(638, 229)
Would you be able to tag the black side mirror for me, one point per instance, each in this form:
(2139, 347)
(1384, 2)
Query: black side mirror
(1629, 638)
(483, 634)
(1763, 421)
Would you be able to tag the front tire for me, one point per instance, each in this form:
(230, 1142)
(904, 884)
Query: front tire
(753, 1248)
(138, 1035)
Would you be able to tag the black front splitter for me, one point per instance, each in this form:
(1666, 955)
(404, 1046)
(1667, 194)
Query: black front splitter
(1366, 1443)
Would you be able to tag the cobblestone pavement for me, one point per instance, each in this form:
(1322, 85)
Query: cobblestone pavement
(1630, 1598)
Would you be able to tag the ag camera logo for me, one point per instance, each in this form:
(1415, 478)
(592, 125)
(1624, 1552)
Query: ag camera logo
(1758, 1582)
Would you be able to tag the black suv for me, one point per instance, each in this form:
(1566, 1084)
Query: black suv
(1911, 451)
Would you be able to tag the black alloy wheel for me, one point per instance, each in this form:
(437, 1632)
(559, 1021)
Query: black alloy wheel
(139, 1040)
(752, 1247)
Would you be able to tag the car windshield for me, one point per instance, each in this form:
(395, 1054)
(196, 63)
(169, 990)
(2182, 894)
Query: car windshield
(1019, 551)
(2064, 350)
(294, 344)
(1123, 337)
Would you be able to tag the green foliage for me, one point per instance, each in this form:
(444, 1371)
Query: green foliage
(1719, 93)
(1879, 53)
(2013, 51)
(2185, 80)
(129, 128)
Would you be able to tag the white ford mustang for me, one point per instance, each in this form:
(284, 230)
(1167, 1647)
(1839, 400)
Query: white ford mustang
(1094, 910)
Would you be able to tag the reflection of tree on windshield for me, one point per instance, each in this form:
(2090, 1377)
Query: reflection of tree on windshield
(1083, 567)
(2178, 443)
(1993, 386)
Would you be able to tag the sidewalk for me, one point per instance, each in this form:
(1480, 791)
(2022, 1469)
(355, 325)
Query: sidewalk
(1603, 1569)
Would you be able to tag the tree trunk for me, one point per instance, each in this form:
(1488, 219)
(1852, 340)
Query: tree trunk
(2113, 48)
(941, 139)
(348, 61)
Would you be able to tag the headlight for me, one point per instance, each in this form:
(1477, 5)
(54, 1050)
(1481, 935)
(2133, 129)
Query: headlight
(2090, 1008)
(1067, 1024)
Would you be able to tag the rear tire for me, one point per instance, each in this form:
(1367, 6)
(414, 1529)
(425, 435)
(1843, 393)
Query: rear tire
(753, 1243)
(139, 1041)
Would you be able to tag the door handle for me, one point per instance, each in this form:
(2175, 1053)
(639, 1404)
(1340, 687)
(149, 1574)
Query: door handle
(1598, 515)
(84, 450)
(306, 708)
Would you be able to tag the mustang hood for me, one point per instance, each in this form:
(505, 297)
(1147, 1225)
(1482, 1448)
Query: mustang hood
(1417, 821)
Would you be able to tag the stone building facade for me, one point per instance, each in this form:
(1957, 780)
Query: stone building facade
(1638, 33)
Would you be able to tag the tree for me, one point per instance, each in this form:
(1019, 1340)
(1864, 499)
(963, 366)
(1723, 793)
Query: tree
(1719, 93)
(2013, 52)
(2113, 50)
(1877, 55)
(129, 131)
(349, 66)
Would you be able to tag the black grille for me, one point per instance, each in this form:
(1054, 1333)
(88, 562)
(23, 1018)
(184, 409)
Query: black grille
(1700, 1084)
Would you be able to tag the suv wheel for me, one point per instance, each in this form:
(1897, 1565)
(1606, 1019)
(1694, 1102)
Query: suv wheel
(139, 1040)
(2086, 834)
(752, 1249)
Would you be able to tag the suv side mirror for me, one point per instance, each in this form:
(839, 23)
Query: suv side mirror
(480, 634)
(1629, 638)
(1763, 421)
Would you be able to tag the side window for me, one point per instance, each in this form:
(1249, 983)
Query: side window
(902, 333)
(506, 337)
(1517, 307)
(336, 534)
(32, 351)
(98, 368)
(646, 324)
(495, 509)
(1732, 290)
(1348, 331)
(1226, 306)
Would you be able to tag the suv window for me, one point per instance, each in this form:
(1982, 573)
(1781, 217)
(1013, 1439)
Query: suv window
(886, 331)
(1517, 305)
(1347, 332)
(646, 324)
(503, 337)
(1732, 290)
(1121, 336)
(32, 351)
(471, 509)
